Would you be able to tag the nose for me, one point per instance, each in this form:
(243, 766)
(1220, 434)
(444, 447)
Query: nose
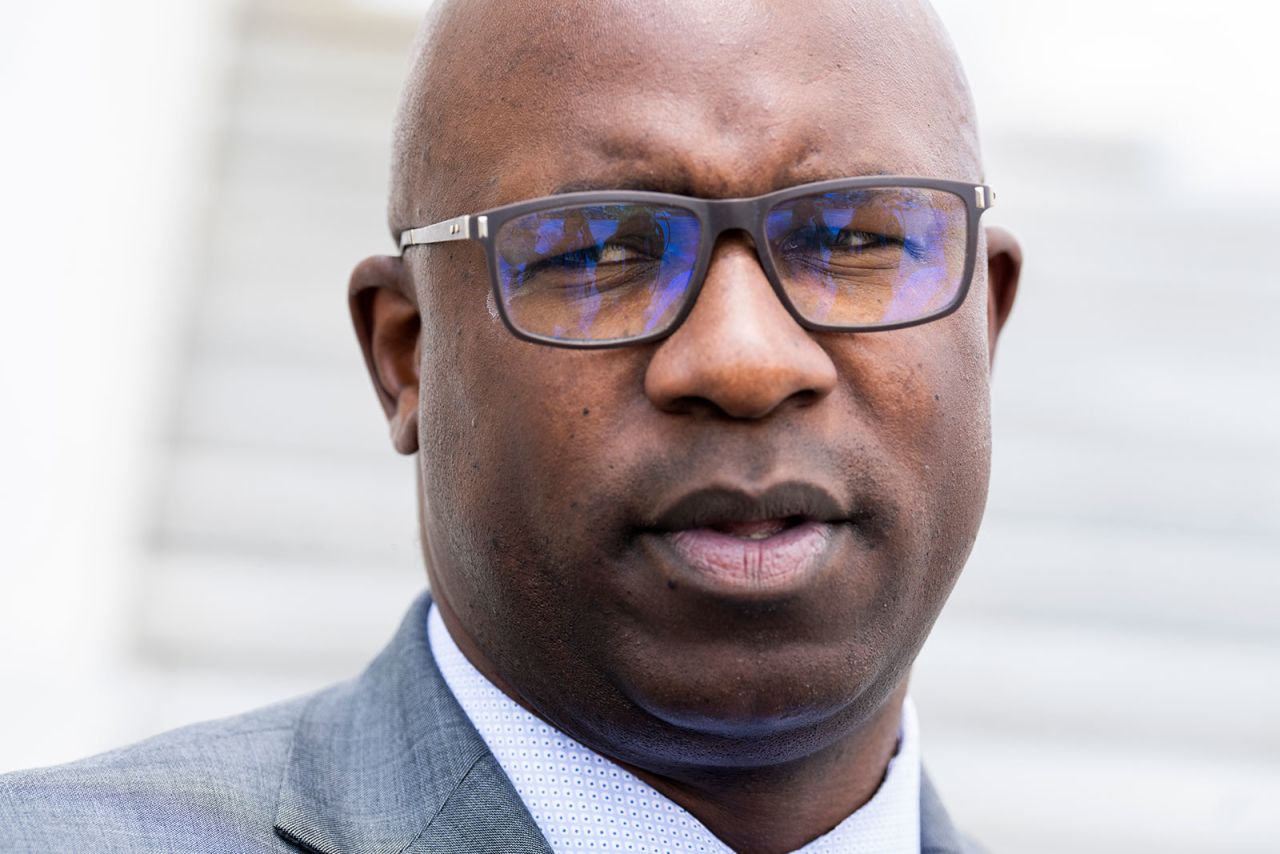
(739, 353)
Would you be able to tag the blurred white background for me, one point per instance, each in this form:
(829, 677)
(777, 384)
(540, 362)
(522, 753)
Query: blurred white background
(202, 513)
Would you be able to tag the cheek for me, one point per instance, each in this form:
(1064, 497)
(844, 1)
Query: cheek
(926, 391)
(464, 404)
(515, 441)
(565, 455)
(958, 377)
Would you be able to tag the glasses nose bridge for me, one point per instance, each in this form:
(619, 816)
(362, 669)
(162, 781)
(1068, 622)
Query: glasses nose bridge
(745, 217)
(733, 215)
(740, 215)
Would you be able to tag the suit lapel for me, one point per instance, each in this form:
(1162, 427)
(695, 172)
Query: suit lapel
(388, 763)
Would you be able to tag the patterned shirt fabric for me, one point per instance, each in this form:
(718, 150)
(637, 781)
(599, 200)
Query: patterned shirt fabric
(584, 803)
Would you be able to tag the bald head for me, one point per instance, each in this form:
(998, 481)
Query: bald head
(674, 95)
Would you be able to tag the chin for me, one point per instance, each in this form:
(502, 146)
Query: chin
(718, 707)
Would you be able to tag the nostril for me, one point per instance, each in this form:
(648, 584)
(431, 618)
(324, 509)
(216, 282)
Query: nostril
(728, 388)
(692, 405)
(738, 409)
(805, 397)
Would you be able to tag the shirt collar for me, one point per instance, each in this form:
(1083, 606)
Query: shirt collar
(583, 802)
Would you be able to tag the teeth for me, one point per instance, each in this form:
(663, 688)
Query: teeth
(753, 531)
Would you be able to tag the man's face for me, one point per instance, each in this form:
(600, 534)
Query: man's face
(558, 486)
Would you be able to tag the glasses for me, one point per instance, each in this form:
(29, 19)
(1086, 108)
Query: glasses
(610, 268)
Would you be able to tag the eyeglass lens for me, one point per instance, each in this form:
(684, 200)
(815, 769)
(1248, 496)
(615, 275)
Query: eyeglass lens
(870, 257)
(597, 272)
(848, 259)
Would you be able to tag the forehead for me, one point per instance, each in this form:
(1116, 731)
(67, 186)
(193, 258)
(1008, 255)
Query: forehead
(711, 98)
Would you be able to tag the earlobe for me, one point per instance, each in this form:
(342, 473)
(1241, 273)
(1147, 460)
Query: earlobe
(387, 326)
(1004, 266)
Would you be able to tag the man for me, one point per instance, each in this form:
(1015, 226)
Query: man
(691, 332)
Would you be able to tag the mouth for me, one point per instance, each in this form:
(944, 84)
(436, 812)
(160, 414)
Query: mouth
(736, 543)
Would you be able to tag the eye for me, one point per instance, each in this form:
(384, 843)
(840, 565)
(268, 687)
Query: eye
(848, 239)
(618, 253)
(600, 262)
(608, 254)
(577, 259)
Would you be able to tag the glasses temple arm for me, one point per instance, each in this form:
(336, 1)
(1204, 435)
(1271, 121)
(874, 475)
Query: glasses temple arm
(458, 228)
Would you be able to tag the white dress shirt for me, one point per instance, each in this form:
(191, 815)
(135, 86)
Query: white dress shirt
(583, 802)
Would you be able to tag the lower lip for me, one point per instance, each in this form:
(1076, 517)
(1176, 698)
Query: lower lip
(732, 564)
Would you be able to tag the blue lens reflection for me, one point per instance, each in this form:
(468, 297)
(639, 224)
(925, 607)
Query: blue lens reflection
(597, 272)
(870, 257)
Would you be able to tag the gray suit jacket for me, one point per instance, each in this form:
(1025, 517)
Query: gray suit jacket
(383, 763)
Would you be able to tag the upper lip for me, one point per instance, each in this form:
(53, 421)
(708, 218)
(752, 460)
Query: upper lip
(713, 506)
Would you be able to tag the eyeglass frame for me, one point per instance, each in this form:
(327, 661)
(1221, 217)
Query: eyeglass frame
(715, 217)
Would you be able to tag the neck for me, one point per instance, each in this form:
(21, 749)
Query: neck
(768, 810)
(776, 810)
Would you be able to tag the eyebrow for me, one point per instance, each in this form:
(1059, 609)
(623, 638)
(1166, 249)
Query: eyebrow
(681, 186)
(649, 185)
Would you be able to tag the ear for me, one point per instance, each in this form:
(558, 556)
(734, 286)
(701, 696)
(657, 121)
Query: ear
(388, 324)
(1004, 265)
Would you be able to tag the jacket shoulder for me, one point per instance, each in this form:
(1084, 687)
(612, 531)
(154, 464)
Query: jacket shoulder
(211, 786)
